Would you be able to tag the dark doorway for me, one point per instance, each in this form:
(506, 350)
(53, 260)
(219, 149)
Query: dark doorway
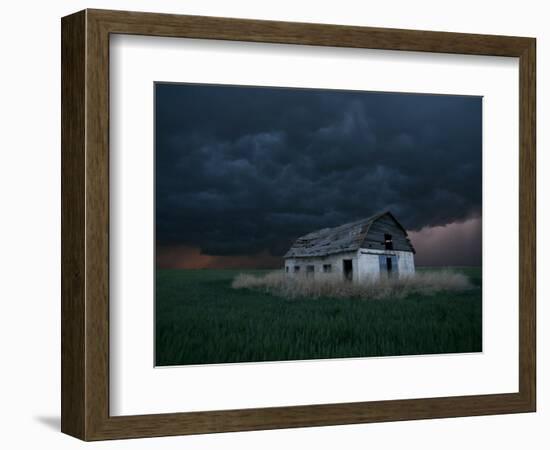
(389, 266)
(348, 269)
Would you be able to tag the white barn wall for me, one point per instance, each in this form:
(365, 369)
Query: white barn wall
(369, 265)
(335, 260)
(365, 262)
(405, 261)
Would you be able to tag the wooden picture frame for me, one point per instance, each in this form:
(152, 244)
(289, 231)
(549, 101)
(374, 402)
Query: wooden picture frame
(85, 224)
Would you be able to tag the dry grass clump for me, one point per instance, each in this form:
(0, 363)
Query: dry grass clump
(426, 283)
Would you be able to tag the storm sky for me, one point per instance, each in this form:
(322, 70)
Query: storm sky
(240, 172)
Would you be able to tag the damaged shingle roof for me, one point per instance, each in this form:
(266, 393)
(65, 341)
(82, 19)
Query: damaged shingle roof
(343, 238)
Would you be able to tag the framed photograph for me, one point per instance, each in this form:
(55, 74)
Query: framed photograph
(273, 225)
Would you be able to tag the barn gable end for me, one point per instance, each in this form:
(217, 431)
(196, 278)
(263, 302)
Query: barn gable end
(387, 224)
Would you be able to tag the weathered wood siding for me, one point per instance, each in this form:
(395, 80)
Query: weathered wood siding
(386, 225)
(336, 262)
(369, 263)
(369, 268)
(366, 264)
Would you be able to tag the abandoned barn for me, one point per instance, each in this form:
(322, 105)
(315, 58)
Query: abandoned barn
(357, 251)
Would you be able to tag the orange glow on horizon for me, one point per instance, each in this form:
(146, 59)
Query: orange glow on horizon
(186, 257)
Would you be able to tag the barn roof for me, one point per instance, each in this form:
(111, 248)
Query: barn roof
(343, 238)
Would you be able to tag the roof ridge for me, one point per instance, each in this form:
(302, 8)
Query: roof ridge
(353, 222)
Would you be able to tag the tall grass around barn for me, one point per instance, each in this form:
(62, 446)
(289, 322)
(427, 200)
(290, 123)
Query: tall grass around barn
(425, 283)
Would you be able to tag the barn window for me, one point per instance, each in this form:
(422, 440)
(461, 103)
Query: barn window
(286, 268)
(327, 268)
(296, 269)
(310, 270)
(388, 243)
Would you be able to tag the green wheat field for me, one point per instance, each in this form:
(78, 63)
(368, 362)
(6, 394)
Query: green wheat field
(201, 319)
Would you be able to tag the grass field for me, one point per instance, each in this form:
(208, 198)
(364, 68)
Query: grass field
(200, 319)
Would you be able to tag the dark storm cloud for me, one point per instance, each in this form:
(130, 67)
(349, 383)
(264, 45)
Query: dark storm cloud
(242, 171)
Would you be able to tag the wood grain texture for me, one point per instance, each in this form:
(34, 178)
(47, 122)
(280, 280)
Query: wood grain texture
(152, 24)
(97, 226)
(527, 224)
(73, 109)
(85, 224)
